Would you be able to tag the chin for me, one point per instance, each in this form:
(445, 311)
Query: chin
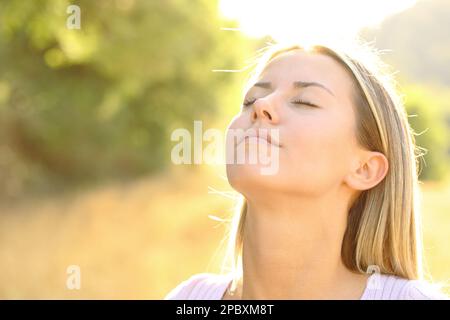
(249, 177)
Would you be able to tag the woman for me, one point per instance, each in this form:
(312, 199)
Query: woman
(343, 201)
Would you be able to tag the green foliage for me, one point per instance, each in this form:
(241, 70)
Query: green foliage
(429, 116)
(101, 101)
(417, 41)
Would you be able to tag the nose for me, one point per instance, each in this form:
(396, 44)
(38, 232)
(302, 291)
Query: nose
(265, 109)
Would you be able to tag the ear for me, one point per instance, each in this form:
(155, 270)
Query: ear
(368, 171)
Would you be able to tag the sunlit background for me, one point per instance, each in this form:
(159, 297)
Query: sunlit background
(305, 20)
(86, 116)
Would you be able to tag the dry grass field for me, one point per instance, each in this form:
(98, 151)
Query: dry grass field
(138, 240)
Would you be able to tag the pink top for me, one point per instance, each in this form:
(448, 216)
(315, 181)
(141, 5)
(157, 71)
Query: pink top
(209, 286)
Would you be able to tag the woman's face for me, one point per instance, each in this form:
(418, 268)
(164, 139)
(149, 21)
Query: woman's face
(307, 99)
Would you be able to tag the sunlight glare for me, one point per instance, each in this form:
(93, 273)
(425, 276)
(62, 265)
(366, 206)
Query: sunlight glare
(287, 21)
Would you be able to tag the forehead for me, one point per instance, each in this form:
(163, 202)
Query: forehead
(298, 65)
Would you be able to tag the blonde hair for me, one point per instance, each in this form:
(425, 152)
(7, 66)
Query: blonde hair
(383, 227)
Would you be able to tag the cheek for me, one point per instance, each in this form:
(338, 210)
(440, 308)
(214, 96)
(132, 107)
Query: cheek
(320, 148)
(240, 121)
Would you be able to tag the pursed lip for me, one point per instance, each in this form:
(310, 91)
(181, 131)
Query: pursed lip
(264, 134)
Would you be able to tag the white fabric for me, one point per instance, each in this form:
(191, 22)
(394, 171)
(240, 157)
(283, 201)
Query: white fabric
(209, 286)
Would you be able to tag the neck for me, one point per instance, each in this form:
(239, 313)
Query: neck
(293, 250)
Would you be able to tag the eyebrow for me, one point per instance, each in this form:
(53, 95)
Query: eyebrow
(297, 84)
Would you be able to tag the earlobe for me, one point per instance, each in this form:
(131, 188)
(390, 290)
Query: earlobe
(370, 172)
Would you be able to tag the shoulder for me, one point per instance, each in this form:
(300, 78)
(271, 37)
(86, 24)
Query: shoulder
(423, 290)
(390, 287)
(201, 286)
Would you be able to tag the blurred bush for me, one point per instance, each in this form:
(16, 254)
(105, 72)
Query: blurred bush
(83, 105)
(429, 116)
(417, 41)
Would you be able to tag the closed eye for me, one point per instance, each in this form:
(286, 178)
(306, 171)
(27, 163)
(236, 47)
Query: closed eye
(303, 102)
(249, 102)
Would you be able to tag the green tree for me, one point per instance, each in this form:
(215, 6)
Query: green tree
(83, 105)
(428, 117)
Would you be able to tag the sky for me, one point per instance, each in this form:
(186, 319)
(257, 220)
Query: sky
(295, 20)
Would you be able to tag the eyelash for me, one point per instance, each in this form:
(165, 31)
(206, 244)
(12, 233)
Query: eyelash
(298, 101)
(249, 102)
